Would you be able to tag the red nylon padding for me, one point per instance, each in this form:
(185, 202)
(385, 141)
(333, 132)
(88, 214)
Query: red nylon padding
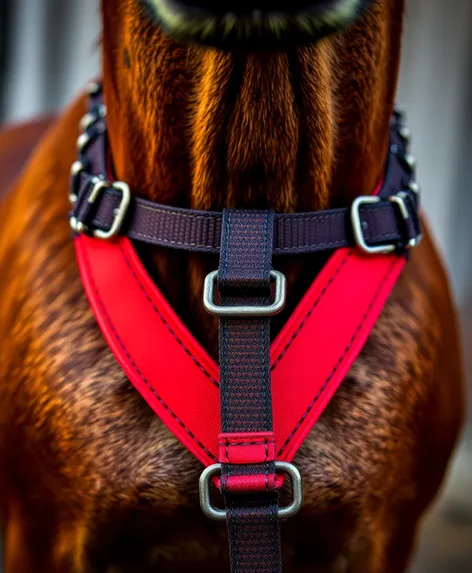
(178, 379)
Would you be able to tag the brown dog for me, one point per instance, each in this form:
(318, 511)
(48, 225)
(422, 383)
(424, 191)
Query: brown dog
(91, 480)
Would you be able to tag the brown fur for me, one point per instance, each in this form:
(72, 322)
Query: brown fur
(92, 481)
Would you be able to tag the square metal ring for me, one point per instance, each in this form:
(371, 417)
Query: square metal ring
(242, 311)
(358, 231)
(120, 211)
(283, 512)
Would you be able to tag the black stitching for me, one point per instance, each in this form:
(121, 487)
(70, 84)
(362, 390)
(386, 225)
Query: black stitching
(338, 363)
(265, 443)
(310, 312)
(141, 375)
(246, 443)
(207, 374)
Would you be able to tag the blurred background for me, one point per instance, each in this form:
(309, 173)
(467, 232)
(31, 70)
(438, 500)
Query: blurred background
(48, 51)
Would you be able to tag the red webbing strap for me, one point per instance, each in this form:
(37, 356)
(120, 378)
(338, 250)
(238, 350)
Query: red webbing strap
(249, 489)
(179, 380)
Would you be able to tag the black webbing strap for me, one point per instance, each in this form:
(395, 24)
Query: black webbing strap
(381, 223)
(246, 399)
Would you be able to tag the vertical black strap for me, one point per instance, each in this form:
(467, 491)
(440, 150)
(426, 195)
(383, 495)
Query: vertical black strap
(246, 400)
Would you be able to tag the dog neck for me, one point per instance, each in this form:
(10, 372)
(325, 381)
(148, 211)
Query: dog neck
(301, 130)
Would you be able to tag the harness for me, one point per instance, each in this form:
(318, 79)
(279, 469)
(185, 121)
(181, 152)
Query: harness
(245, 418)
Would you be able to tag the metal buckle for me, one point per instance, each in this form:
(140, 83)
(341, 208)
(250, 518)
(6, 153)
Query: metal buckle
(283, 512)
(414, 187)
(245, 310)
(93, 88)
(75, 224)
(91, 117)
(119, 213)
(76, 170)
(399, 199)
(358, 231)
(83, 141)
(408, 160)
(405, 134)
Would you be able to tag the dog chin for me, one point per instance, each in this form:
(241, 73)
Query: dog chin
(254, 29)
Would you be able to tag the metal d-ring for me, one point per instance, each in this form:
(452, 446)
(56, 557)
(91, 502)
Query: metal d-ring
(244, 310)
(283, 512)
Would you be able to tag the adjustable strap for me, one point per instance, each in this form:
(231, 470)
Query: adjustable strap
(294, 233)
(247, 445)
(104, 209)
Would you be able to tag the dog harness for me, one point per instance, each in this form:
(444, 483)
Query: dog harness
(246, 417)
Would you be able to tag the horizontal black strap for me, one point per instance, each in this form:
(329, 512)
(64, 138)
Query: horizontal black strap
(382, 223)
(201, 230)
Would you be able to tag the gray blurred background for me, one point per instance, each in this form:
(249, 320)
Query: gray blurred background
(48, 50)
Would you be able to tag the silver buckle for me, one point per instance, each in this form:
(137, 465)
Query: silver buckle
(83, 141)
(91, 117)
(414, 187)
(244, 310)
(119, 213)
(283, 512)
(358, 231)
(399, 199)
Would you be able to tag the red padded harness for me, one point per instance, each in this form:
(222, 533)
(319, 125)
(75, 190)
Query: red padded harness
(246, 424)
(309, 358)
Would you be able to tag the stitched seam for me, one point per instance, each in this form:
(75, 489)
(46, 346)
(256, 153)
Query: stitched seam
(264, 354)
(224, 269)
(309, 245)
(227, 443)
(265, 443)
(170, 241)
(310, 311)
(169, 328)
(187, 215)
(135, 367)
(318, 216)
(308, 217)
(339, 362)
(292, 249)
(267, 257)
